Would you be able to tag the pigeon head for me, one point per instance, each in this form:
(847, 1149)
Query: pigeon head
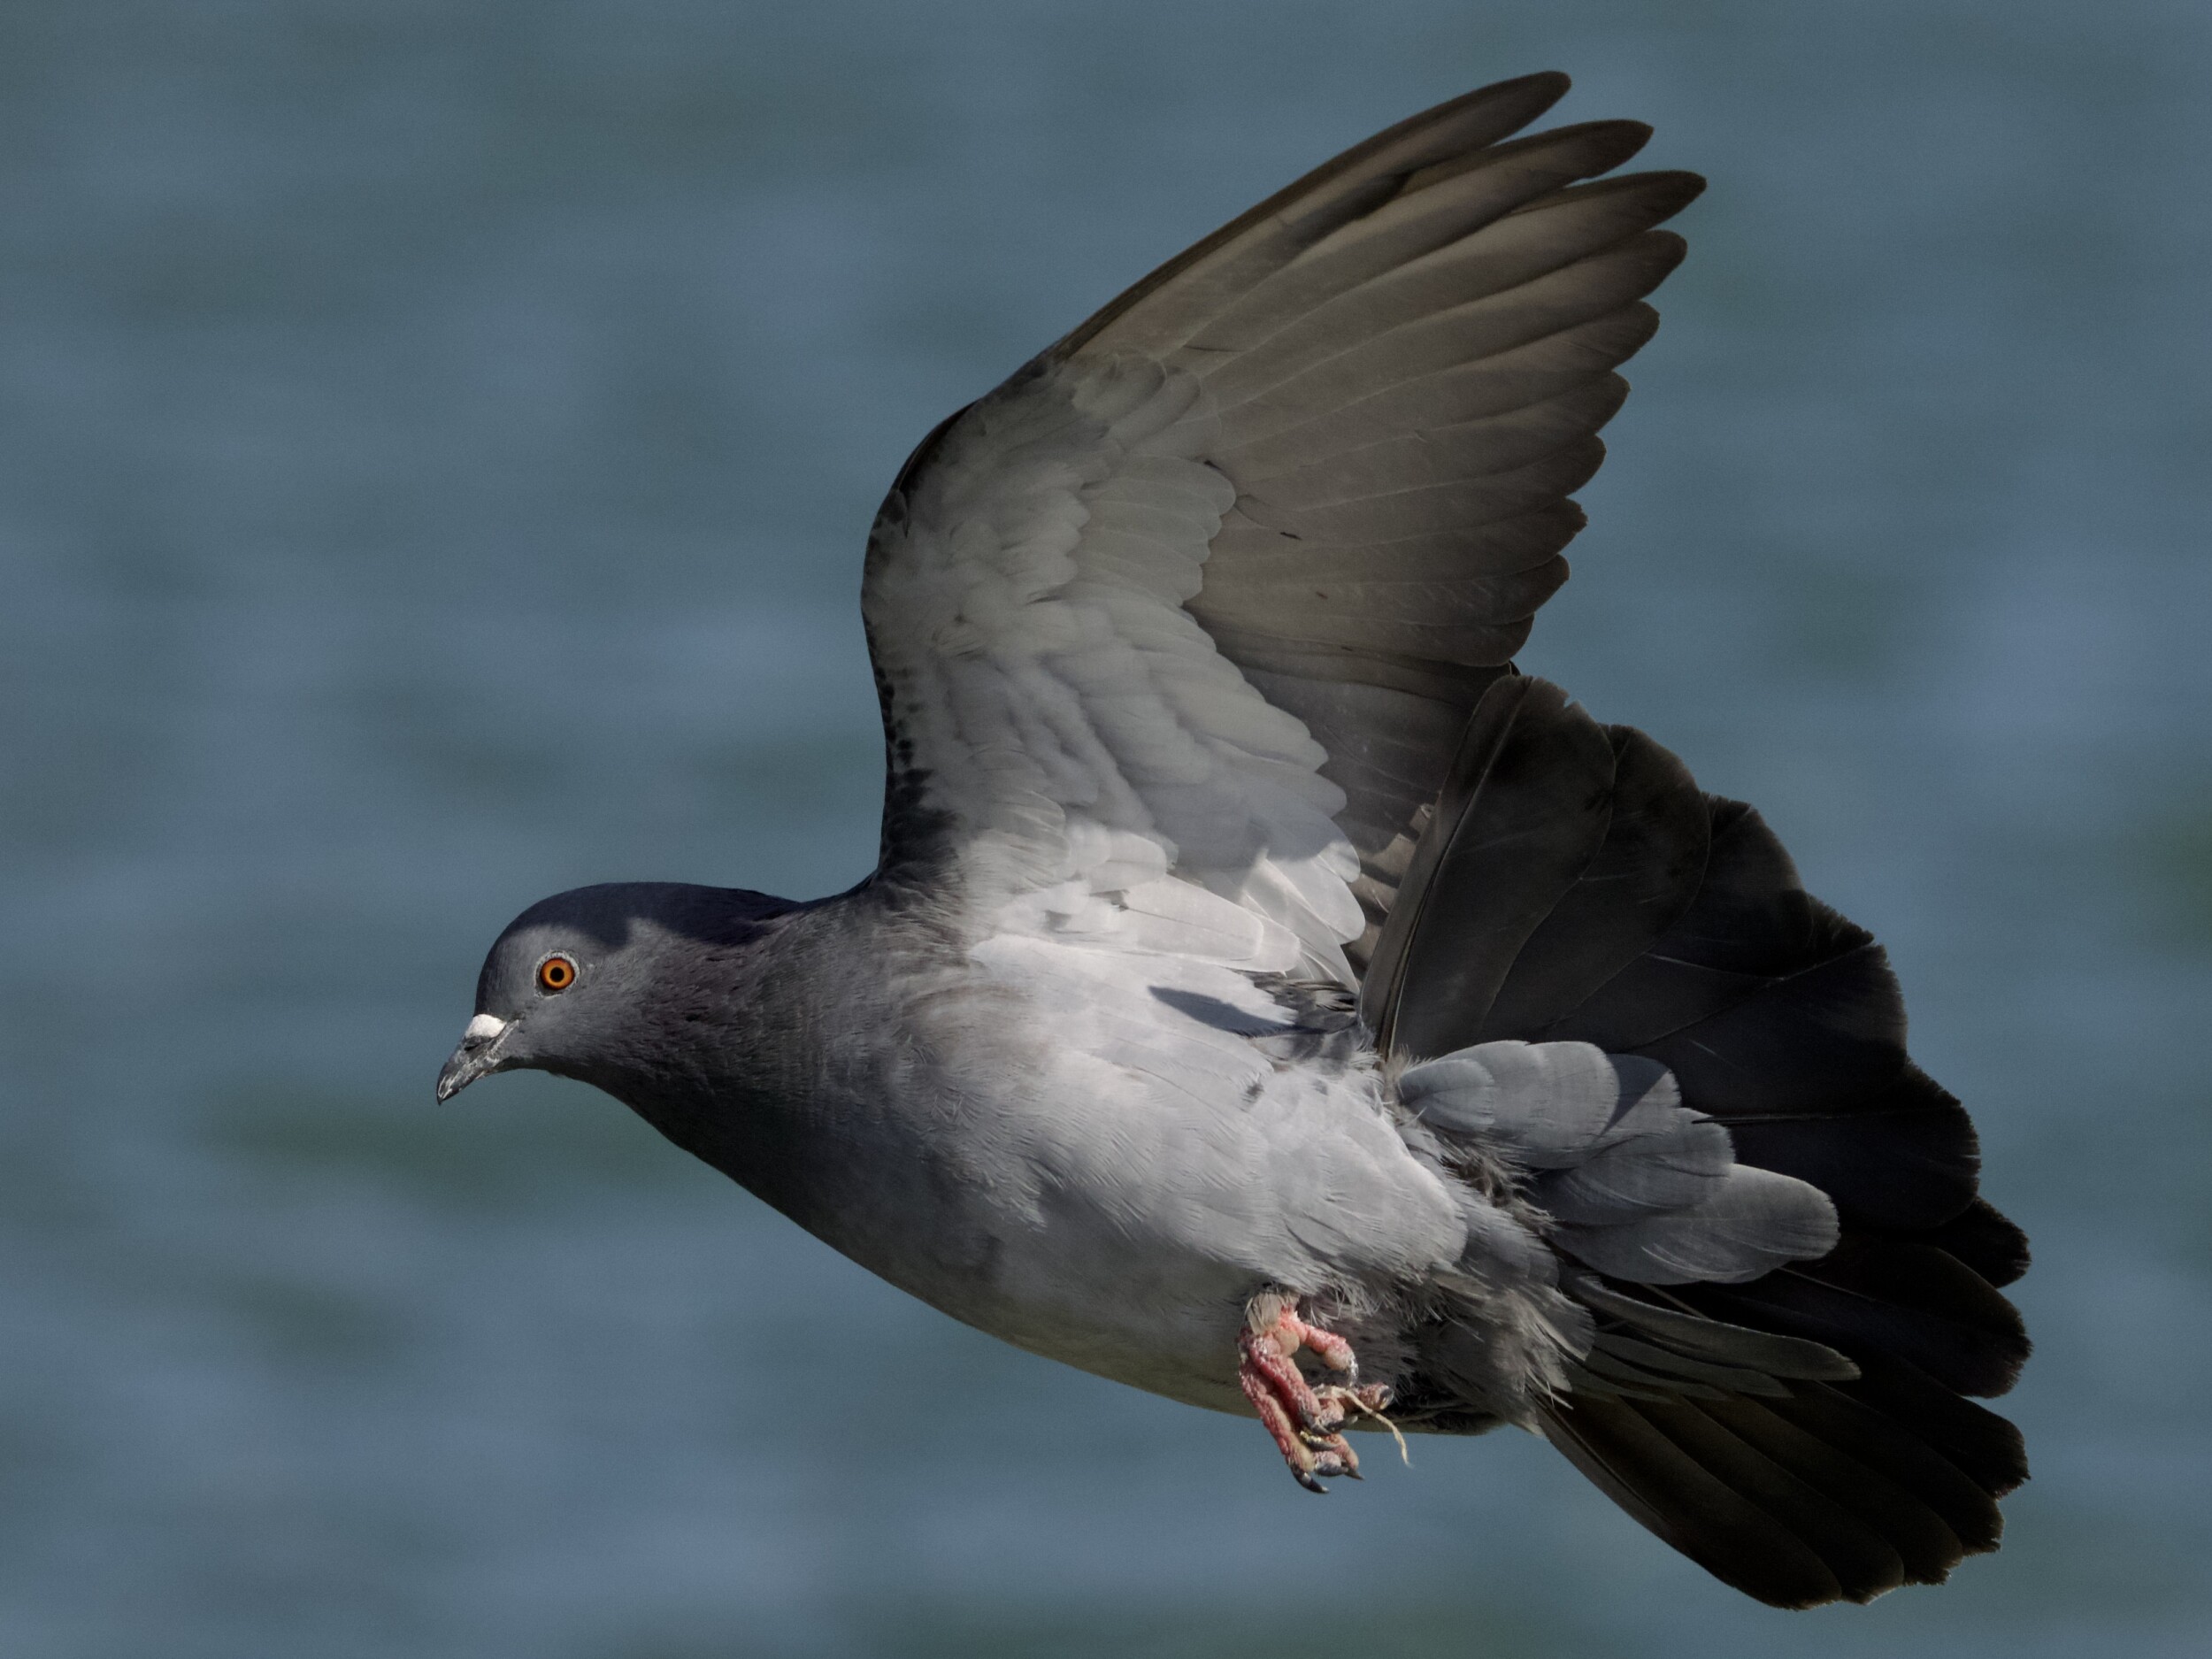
(592, 983)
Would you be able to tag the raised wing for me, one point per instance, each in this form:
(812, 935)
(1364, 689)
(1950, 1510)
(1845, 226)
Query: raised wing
(1177, 631)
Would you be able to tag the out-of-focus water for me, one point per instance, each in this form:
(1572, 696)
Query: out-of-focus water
(436, 440)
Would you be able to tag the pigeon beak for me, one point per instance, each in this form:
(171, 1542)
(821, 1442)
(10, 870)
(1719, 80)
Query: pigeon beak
(477, 1053)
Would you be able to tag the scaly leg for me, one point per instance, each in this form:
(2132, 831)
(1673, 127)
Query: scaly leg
(1303, 1420)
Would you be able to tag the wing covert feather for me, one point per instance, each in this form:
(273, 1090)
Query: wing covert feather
(1204, 594)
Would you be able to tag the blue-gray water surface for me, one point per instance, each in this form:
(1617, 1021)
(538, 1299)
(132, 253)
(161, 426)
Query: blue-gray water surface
(436, 441)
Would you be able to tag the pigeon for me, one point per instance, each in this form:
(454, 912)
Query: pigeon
(1269, 997)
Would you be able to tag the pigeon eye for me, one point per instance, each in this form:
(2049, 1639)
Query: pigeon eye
(556, 974)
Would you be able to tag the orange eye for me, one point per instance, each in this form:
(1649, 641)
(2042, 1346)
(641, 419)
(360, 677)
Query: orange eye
(556, 974)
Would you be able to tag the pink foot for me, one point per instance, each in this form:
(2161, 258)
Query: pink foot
(1303, 1420)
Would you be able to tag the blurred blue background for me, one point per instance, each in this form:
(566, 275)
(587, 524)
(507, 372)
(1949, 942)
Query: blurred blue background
(436, 442)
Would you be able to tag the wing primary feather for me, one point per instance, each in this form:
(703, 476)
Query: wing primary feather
(1157, 311)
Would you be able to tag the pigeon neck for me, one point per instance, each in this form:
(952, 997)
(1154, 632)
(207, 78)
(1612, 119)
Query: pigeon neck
(766, 1086)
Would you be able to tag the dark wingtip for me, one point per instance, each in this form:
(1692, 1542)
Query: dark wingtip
(1548, 85)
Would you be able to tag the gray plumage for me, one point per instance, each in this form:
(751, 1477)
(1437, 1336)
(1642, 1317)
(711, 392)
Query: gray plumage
(1248, 936)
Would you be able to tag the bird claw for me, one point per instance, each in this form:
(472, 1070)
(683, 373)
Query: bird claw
(1304, 1421)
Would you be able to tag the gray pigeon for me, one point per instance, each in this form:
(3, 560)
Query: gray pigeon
(1270, 998)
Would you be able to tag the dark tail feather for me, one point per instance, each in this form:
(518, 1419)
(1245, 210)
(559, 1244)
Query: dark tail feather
(1696, 1508)
(1782, 1487)
(1574, 884)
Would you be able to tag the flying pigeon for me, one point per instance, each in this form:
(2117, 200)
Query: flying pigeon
(1269, 997)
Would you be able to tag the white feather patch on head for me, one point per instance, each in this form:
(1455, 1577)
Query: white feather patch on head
(483, 1028)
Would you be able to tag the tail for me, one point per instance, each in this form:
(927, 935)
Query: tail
(1799, 1428)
